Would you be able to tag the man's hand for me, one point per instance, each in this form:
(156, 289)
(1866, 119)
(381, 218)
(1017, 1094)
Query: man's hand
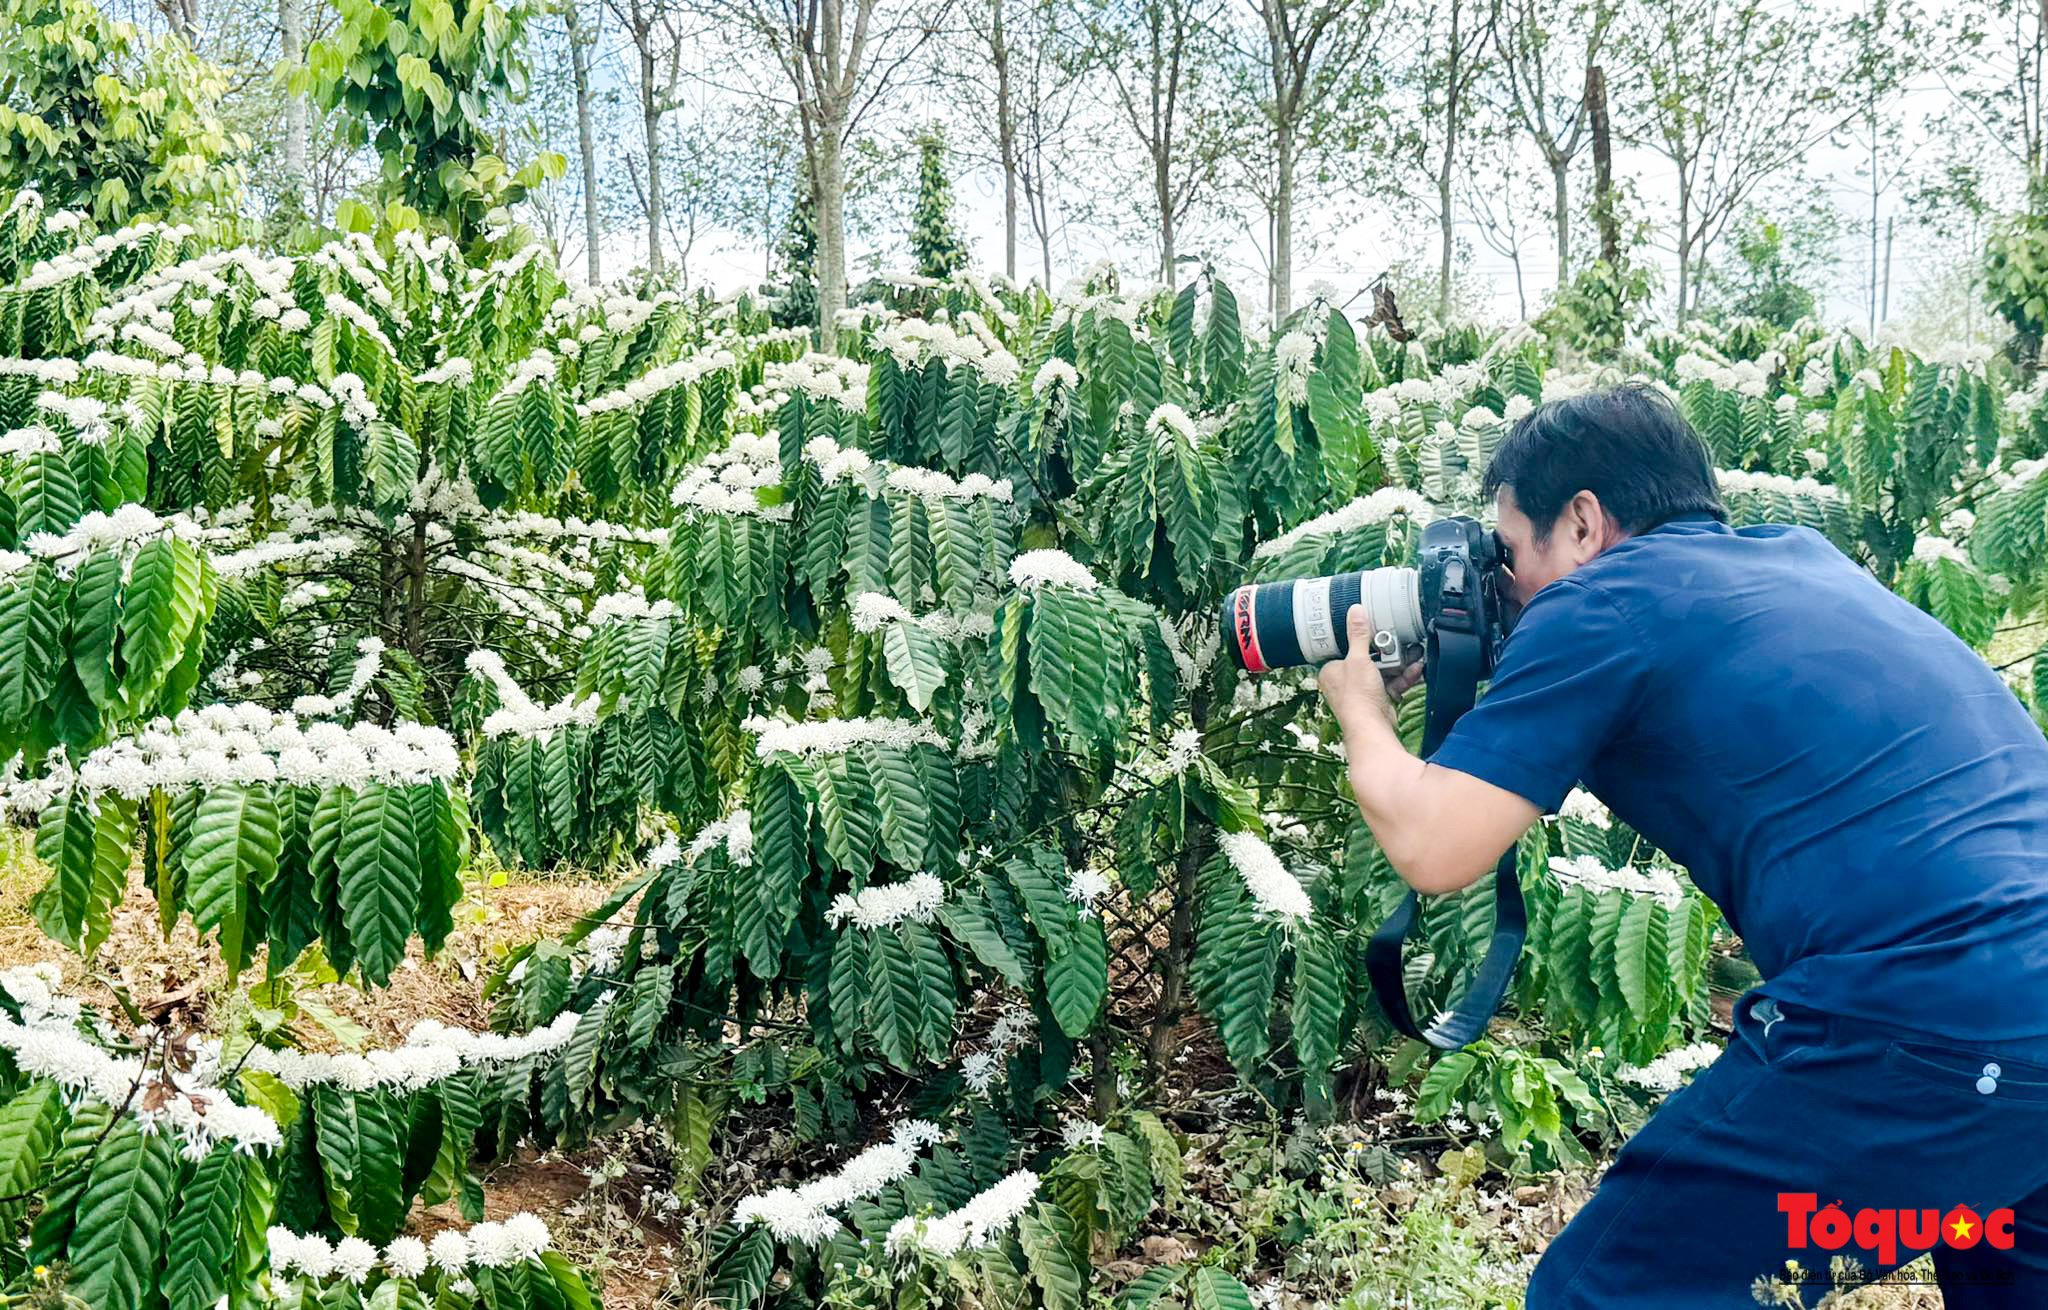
(1440, 829)
(1354, 686)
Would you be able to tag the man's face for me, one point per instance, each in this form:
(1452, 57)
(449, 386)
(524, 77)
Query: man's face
(1580, 532)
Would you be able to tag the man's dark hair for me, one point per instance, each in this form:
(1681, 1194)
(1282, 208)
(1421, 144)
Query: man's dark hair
(1629, 446)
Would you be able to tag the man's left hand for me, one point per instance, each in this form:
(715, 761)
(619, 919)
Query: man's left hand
(1355, 687)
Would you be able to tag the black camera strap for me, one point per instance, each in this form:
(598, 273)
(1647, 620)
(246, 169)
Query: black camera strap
(1452, 679)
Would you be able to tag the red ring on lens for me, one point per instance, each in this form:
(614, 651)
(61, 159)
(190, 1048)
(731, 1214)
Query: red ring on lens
(1247, 632)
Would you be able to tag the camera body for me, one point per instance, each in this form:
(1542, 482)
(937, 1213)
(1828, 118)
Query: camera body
(1456, 587)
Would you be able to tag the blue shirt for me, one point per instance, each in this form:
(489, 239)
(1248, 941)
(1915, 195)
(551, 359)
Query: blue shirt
(1853, 786)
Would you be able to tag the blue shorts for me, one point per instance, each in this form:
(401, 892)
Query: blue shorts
(1706, 1198)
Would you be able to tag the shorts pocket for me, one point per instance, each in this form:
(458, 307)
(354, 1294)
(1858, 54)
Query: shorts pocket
(1960, 1071)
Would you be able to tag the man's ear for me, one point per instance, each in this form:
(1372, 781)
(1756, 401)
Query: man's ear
(1589, 527)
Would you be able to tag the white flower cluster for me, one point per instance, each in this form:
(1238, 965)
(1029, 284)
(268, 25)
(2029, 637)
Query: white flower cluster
(1081, 1134)
(1928, 550)
(193, 371)
(978, 1069)
(341, 307)
(1275, 891)
(1170, 421)
(21, 443)
(932, 485)
(58, 372)
(736, 830)
(128, 525)
(53, 1050)
(1085, 887)
(517, 715)
(459, 501)
(356, 257)
(1744, 377)
(369, 662)
(1077, 300)
(1055, 372)
(973, 1225)
(429, 253)
(1667, 1072)
(1741, 482)
(729, 481)
(247, 743)
(948, 626)
(842, 381)
(628, 605)
(655, 381)
(1378, 507)
(86, 258)
(804, 1214)
(1293, 360)
(2019, 474)
(872, 609)
(540, 366)
(432, 1051)
(285, 549)
(1586, 808)
(353, 396)
(85, 417)
(33, 988)
(1444, 389)
(491, 1245)
(914, 342)
(836, 736)
(1050, 568)
(1587, 872)
(837, 464)
(2020, 404)
(455, 371)
(25, 798)
(603, 949)
(1182, 750)
(916, 898)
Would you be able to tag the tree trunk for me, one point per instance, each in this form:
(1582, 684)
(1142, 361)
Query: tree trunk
(1443, 177)
(1870, 125)
(291, 22)
(1162, 191)
(586, 148)
(1173, 969)
(1884, 310)
(1561, 214)
(828, 194)
(1443, 227)
(1283, 222)
(1006, 139)
(1603, 167)
(1684, 248)
(1041, 222)
(1521, 296)
(650, 130)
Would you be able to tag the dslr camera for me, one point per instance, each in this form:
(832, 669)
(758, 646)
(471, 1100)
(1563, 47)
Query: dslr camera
(1456, 592)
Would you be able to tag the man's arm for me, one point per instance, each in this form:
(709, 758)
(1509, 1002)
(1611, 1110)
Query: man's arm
(1440, 829)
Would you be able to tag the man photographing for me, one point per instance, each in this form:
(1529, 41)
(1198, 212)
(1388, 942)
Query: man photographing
(1858, 792)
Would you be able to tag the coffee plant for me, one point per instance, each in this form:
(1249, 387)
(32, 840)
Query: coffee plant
(888, 681)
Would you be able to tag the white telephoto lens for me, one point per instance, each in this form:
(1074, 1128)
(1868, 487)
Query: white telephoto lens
(1393, 598)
